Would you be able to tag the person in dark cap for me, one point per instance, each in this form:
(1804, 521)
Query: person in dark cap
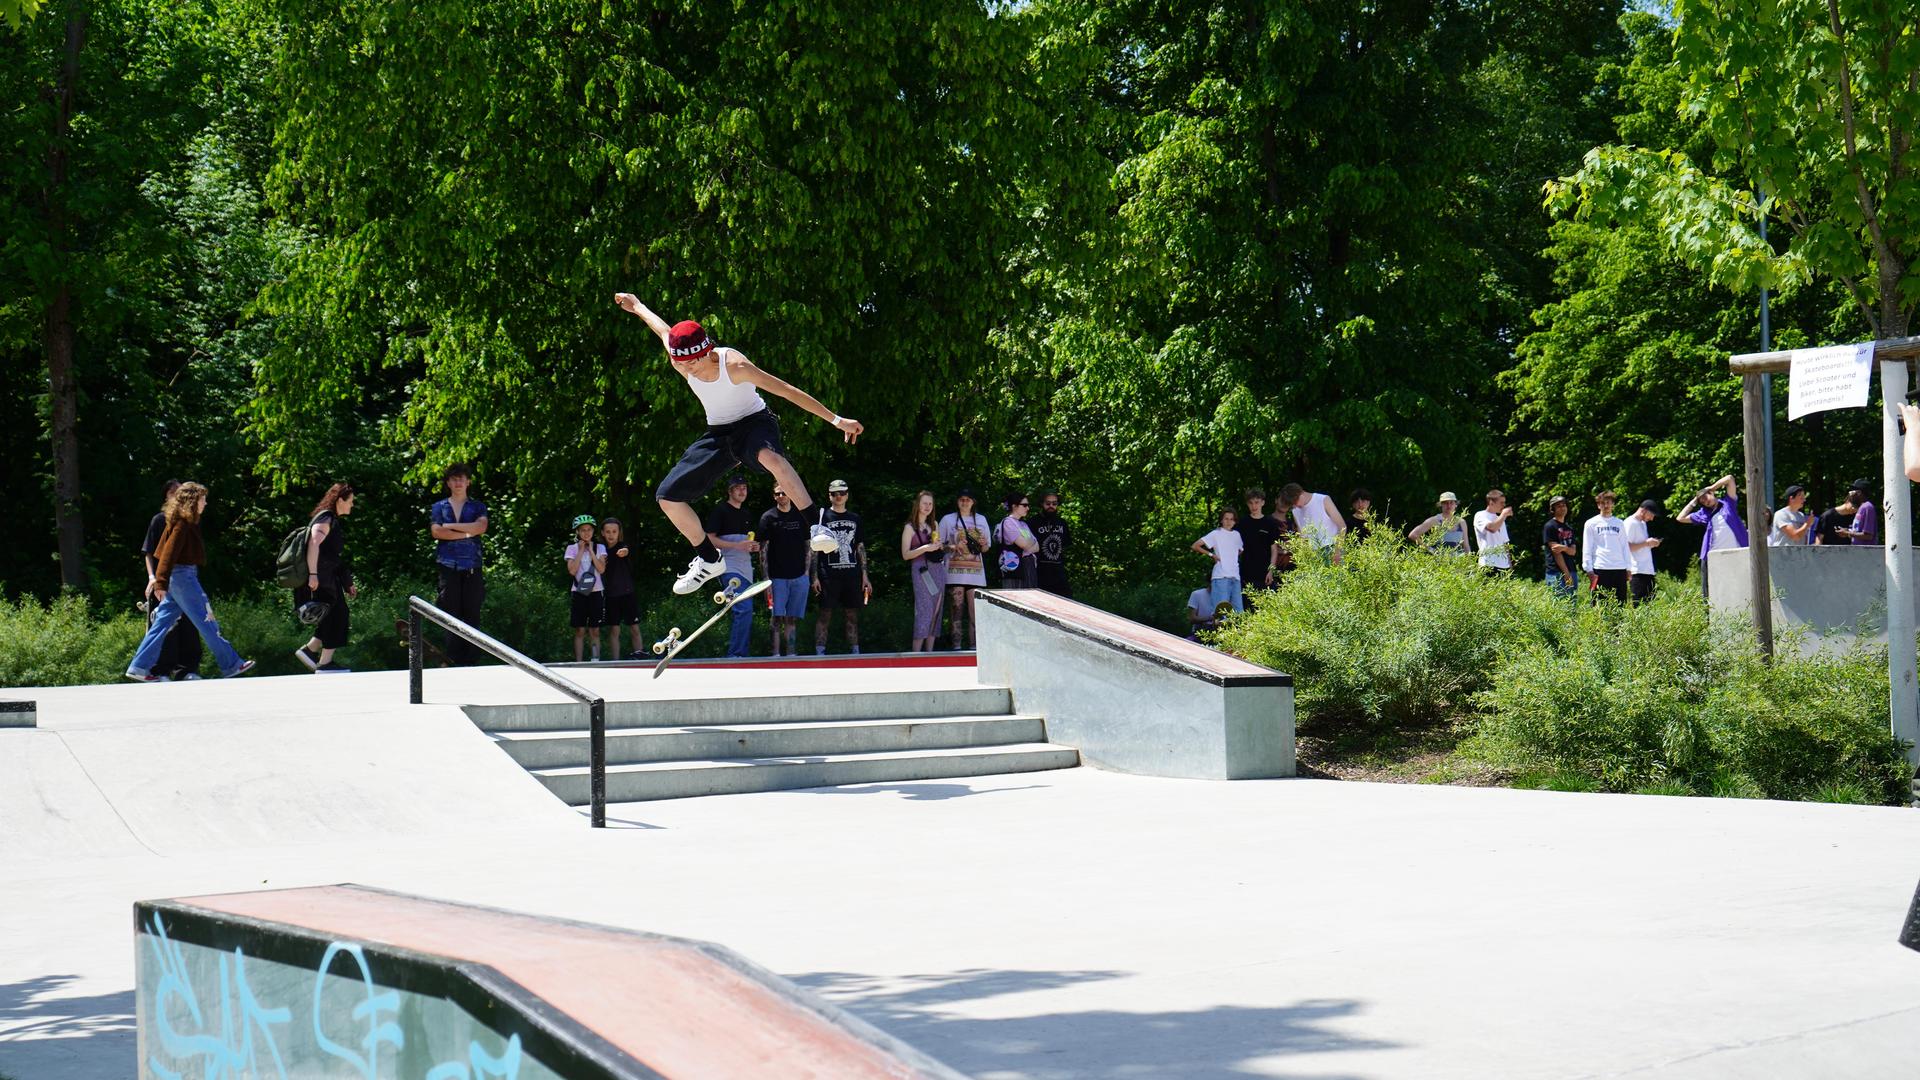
(1560, 549)
(1640, 578)
(730, 529)
(741, 430)
(1865, 527)
(1791, 523)
(457, 523)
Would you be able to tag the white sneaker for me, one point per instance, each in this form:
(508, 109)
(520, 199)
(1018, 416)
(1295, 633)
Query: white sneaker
(699, 572)
(823, 540)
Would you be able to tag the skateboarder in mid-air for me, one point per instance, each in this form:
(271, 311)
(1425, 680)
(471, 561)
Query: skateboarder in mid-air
(740, 430)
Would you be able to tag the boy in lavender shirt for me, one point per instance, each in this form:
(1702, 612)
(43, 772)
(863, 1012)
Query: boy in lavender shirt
(1721, 516)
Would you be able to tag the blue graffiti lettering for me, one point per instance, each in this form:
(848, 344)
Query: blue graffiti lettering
(481, 1065)
(230, 1051)
(371, 1012)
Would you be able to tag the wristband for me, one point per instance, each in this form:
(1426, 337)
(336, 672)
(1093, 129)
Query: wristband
(835, 421)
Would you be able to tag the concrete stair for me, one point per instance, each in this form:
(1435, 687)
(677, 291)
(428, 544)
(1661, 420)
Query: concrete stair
(716, 746)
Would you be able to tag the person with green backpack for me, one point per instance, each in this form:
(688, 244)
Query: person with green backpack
(320, 599)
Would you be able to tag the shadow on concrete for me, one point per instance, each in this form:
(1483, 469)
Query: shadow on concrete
(46, 1033)
(920, 791)
(1227, 1042)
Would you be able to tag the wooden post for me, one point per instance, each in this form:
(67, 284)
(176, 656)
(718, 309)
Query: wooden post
(1896, 528)
(1753, 423)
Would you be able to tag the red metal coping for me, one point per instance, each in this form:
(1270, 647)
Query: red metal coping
(663, 1002)
(1092, 622)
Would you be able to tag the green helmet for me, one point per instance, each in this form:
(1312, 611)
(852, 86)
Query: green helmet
(583, 519)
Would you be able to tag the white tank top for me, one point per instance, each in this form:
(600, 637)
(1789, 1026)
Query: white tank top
(726, 401)
(1313, 520)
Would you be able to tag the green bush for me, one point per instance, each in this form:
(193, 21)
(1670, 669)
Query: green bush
(1393, 636)
(1673, 698)
(64, 643)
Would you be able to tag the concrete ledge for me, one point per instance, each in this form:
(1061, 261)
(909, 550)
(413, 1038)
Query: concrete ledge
(1131, 698)
(345, 980)
(1834, 593)
(19, 714)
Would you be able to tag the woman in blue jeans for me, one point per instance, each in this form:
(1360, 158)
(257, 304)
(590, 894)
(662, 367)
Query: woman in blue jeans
(176, 584)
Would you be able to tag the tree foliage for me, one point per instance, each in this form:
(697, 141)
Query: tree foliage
(1812, 107)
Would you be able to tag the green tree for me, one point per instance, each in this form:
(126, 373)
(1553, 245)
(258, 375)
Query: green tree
(827, 186)
(1811, 107)
(1623, 383)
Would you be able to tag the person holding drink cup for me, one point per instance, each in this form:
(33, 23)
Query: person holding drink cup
(926, 558)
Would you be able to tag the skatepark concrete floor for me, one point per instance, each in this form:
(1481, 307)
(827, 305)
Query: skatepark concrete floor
(1042, 926)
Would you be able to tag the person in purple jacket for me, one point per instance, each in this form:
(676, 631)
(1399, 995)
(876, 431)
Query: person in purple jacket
(1721, 516)
(1865, 528)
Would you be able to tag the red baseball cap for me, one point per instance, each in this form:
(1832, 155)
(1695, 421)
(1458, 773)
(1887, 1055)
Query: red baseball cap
(688, 341)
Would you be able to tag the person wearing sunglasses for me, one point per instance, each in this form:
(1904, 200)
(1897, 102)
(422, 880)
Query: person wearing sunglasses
(1019, 550)
(1051, 530)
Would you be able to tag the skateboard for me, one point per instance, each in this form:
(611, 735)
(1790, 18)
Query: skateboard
(669, 647)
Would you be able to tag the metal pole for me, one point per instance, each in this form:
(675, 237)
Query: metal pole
(1897, 524)
(416, 660)
(1759, 589)
(597, 759)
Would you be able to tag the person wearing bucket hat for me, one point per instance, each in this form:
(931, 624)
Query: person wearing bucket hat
(1451, 526)
(586, 568)
(1560, 549)
(741, 430)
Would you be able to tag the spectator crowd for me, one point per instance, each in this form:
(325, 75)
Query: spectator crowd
(949, 556)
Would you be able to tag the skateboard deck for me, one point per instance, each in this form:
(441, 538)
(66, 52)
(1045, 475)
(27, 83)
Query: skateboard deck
(670, 646)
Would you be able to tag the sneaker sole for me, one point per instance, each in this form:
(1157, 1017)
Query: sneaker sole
(302, 656)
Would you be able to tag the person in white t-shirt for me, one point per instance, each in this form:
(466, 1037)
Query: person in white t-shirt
(1222, 545)
(1200, 611)
(1490, 531)
(1791, 523)
(1603, 550)
(1315, 516)
(1640, 550)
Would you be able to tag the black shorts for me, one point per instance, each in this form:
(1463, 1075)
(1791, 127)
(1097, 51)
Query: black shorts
(623, 610)
(589, 610)
(721, 450)
(841, 591)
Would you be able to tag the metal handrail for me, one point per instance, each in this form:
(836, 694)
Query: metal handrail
(418, 609)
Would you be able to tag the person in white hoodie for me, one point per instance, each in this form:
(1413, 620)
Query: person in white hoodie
(1603, 550)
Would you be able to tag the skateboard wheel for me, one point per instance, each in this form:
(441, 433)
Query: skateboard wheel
(720, 597)
(659, 647)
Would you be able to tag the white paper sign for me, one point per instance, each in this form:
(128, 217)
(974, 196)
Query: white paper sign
(1836, 377)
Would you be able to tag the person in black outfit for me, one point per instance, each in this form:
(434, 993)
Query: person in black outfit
(1051, 530)
(623, 607)
(180, 653)
(1359, 516)
(1259, 537)
(784, 558)
(329, 581)
(840, 576)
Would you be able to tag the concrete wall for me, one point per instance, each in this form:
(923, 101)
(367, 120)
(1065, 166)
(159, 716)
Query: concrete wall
(1134, 699)
(1836, 595)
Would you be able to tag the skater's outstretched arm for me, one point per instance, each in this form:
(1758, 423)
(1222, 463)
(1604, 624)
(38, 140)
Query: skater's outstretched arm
(654, 322)
(741, 369)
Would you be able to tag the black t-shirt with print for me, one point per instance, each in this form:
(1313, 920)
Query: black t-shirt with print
(1559, 532)
(845, 526)
(1257, 537)
(1050, 531)
(786, 538)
